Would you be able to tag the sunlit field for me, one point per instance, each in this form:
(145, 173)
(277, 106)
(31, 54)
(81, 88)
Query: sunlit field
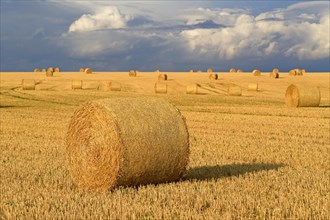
(251, 156)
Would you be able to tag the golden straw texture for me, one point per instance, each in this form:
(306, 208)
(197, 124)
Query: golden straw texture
(28, 84)
(88, 71)
(256, 72)
(234, 91)
(253, 87)
(302, 96)
(160, 88)
(76, 84)
(192, 89)
(110, 144)
(162, 76)
(213, 76)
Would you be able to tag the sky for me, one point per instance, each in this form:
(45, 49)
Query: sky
(165, 35)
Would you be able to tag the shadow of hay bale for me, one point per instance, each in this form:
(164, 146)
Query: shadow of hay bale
(216, 172)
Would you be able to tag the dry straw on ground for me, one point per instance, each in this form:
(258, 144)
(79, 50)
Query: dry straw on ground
(234, 91)
(302, 96)
(36, 70)
(232, 70)
(57, 69)
(132, 73)
(90, 84)
(28, 84)
(213, 76)
(253, 87)
(88, 71)
(82, 70)
(109, 86)
(109, 144)
(49, 73)
(160, 88)
(209, 70)
(76, 84)
(192, 89)
(256, 72)
(162, 76)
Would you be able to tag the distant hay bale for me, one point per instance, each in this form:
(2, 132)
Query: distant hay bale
(298, 72)
(275, 74)
(292, 73)
(82, 70)
(36, 70)
(43, 70)
(240, 71)
(302, 96)
(88, 71)
(253, 87)
(191, 71)
(109, 86)
(199, 71)
(160, 88)
(57, 69)
(303, 72)
(28, 84)
(256, 72)
(209, 70)
(192, 89)
(232, 70)
(162, 76)
(157, 71)
(51, 69)
(276, 70)
(49, 73)
(132, 73)
(234, 91)
(90, 85)
(126, 142)
(76, 84)
(213, 76)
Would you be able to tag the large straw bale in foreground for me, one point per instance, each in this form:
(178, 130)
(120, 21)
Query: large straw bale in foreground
(126, 142)
(88, 71)
(132, 73)
(28, 84)
(253, 87)
(234, 91)
(160, 88)
(213, 76)
(162, 76)
(256, 72)
(192, 89)
(76, 84)
(109, 86)
(302, 96)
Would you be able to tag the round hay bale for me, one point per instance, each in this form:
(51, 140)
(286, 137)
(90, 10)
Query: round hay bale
(234, 91)
(160, 88)
(303, 72)
(82, 70)
(240, 71)
(276, 70)
(51, 69)
(43, 70)
(49, 73)
(36, 70)
(132, 73)
(253, 87)
(76, 84)
(162, 76)
(110, 144)
(209, 70)
(256, 72)
(298, 72)
(302, 96)
(192, 89)
(274, 75)
(232, 70)
(57, 70)
(199, 71)
(88, 71)
(28, 84)
(115, 86)
(292, 73)
(213, 76)
(90, 84)
(191, 71)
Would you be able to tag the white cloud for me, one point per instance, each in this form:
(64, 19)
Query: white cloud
(107, 18)
(300, 31)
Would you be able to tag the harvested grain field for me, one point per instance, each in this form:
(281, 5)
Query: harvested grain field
(251, 157)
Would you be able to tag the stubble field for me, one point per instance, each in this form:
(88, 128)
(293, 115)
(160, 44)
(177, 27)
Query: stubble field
(251, 157)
